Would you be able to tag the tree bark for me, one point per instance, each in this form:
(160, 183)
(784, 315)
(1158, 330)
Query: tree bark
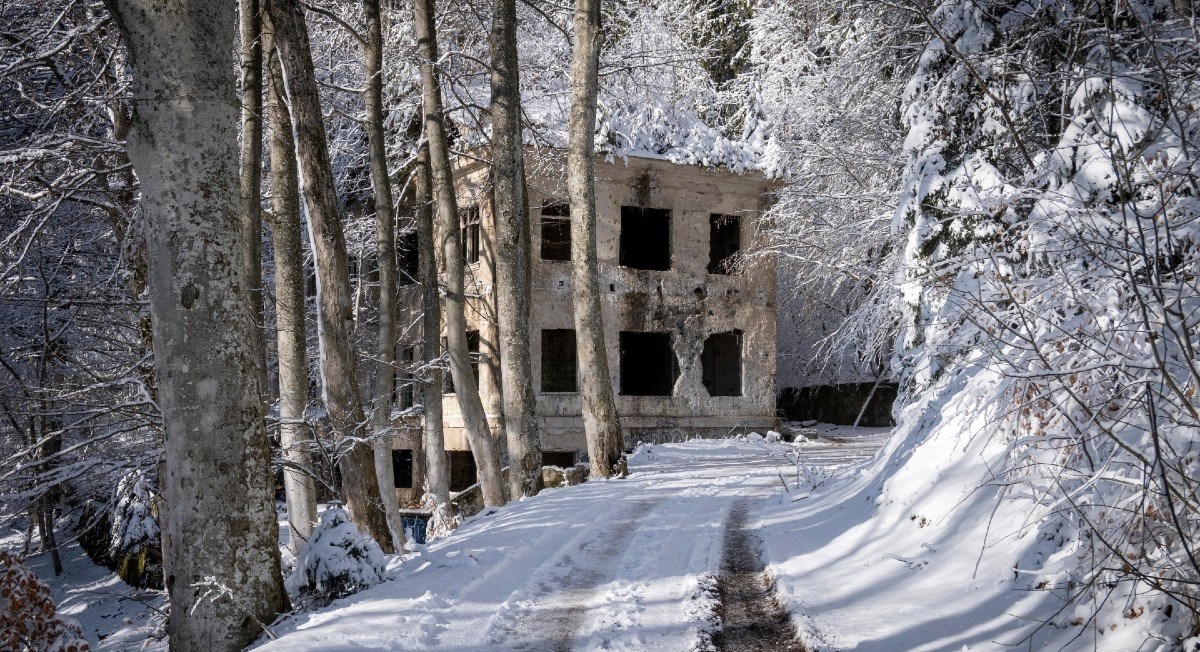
(335, 315)
(385, 251)
(183, 144)
(513, 257)
(250, 28)
(295, 436)
(437, 476)
(450, 266)
(601, 426)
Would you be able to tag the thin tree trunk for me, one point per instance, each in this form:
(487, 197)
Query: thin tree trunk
(183, 144)
(339, 375)
(512, 257)
(437, 476)
(250, 28)
(295, 437)
(446, 237)
(385, 250)
(601, 426)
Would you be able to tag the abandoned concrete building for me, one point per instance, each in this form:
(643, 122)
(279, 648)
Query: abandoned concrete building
(690, 325)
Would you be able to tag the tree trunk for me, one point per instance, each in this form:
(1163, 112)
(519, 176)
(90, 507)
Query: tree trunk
(335, 316)
(295, 436)
(512, 257)
(385, 250)
(183, 144)
(437, 476)
(450, 266)
(601, 426)
(250, 28)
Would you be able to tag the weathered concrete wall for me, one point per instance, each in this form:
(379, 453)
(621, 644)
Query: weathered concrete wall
(685, 300)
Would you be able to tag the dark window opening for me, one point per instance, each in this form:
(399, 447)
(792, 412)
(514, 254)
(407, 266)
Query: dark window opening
(648, 366)
(462, 470)
(402, 468)
(472, 352)
(721, 361)
(724, 242)
(408, 262)
(558, 361)
(556, 231)
(645, 238)
(469, 225)
(561, 459)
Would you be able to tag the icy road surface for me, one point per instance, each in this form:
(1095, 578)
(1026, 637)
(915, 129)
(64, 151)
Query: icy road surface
(629, 564)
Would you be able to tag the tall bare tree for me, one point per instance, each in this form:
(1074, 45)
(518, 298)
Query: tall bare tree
(601, 425)
(250, 31)
(385, 251)
(295, 436)
(223, 570)
(437, 476)
(512, 256)
(360, 486)
(450, 263)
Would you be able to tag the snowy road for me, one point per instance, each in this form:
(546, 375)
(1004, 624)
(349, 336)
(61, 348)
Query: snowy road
(628, 564)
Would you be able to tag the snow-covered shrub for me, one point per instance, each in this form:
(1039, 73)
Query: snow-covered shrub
(338, 561)
(1051, 282)
(27, 615)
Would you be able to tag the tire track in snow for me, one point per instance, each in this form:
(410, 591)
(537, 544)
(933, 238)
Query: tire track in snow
(752, 618)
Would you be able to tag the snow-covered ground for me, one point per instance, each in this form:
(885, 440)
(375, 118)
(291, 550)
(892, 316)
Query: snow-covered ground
(636, 563)
(619, 565)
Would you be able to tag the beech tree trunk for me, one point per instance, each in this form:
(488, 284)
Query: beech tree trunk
(601, 426)
(335, 315)
(437, 475)
(450, 265)
(250, 29)
(295, 436)
(183, 143)
(513, 257)
(385, 250)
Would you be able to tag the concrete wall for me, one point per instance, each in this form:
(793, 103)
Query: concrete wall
(686, 300)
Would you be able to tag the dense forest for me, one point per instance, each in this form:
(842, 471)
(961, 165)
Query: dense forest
(228, 244)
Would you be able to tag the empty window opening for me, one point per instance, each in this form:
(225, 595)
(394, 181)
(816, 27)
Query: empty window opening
(462, 470)
(472, 352)
(558, 361)
(645, 238)
(408, 263)
(648, 366)
(402, 468)
(561, 459)
(724, 242)
(469, 224)
(556, 231)
(721, 361)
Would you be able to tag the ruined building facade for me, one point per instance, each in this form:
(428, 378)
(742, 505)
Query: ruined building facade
(689, 322)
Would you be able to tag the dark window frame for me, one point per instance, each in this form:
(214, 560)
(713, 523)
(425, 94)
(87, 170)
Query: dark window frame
(645, 240)
(721, 363)
(468, 221)
(472, 352)
(724, 243)
(555, 231)
(637, 351)
(402, 468)
(563, 377)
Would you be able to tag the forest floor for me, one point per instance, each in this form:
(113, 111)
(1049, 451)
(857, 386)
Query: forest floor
(670, 558)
